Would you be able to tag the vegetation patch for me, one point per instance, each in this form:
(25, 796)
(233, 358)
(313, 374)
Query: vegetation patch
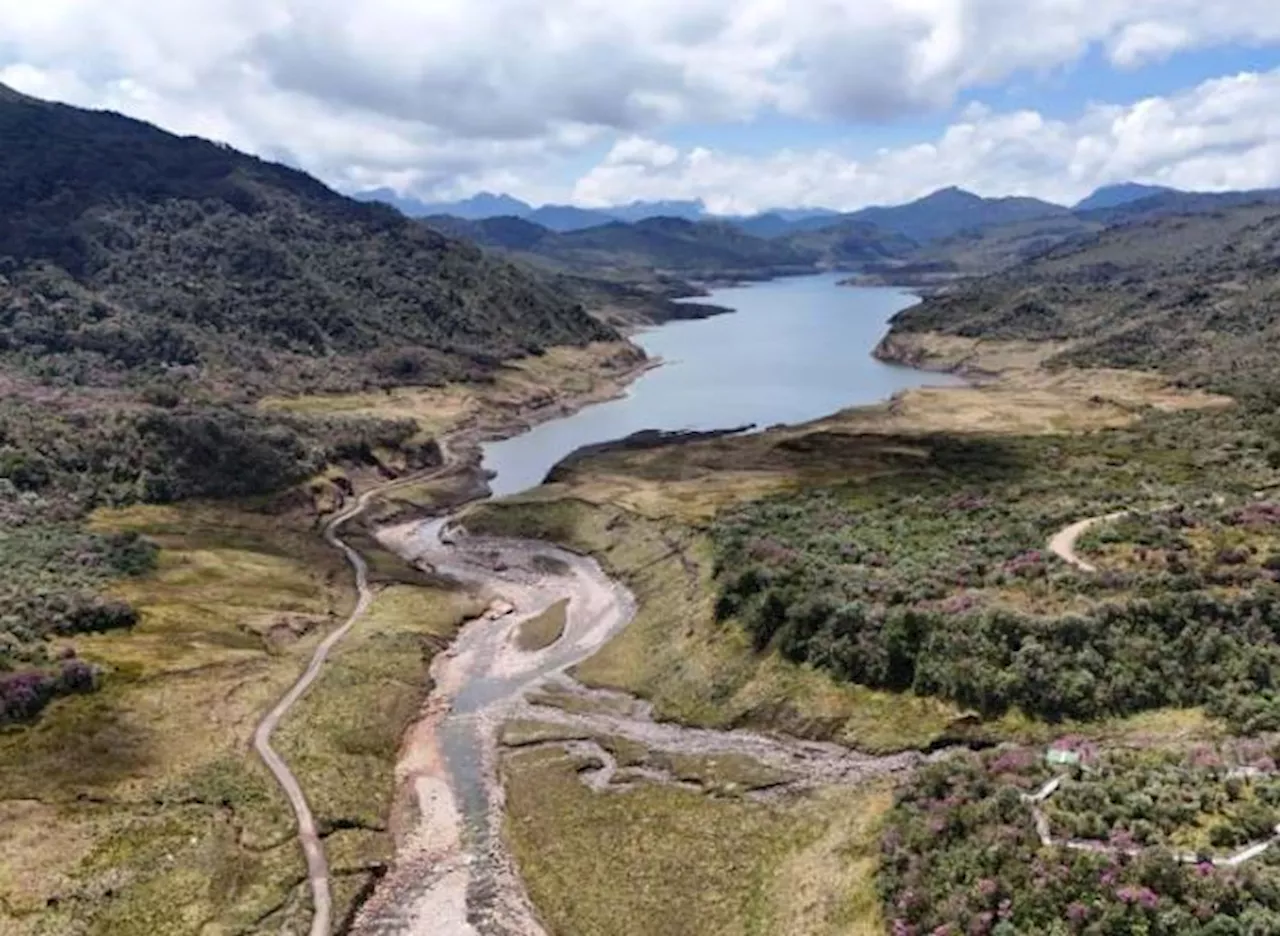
(675, 654)
(681, 862)
(960, 854)
(1205, 801)
(543, 629)
(153, 812)
(935, 578)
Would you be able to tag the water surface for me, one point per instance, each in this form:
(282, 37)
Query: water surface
(795, 349)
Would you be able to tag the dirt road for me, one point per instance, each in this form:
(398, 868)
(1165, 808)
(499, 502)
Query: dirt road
(1063, 544)
(308, 836)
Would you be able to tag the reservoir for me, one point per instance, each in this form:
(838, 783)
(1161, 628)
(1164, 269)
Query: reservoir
(793, 350)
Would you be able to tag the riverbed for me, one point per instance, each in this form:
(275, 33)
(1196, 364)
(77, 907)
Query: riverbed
(793, 350)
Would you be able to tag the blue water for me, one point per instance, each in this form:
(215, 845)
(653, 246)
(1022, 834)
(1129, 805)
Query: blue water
(794, 349)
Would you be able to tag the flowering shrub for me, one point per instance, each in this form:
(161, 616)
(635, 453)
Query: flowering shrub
(1208, 800)
(959, 850)
(23, 694)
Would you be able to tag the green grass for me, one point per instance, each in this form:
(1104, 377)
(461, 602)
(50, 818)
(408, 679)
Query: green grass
(674, 861)
(342, 738)
(148, 788)
(544, 629)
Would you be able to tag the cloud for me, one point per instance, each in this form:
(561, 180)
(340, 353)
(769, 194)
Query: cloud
(440, 94)
(1223, 134)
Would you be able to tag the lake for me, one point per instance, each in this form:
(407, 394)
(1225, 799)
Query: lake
(795, 349)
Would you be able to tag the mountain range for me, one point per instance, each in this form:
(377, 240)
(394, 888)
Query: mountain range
(934, 239)
(935, 216)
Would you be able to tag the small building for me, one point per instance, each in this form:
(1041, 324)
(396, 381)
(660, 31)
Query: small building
(1060, 757)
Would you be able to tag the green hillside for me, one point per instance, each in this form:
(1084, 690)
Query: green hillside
(128, 252)
(1196, 296)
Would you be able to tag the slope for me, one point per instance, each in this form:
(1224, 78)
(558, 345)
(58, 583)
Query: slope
(1195, 296)
(952, 210)
(128, 252)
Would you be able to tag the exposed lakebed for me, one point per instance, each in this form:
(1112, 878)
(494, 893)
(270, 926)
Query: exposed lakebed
(793, 350)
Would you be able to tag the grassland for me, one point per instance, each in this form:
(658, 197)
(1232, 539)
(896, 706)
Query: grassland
(140, 809)
(519, 391)
(544, 629)
(658, 859)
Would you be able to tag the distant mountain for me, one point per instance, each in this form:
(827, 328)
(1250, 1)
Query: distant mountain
(803, 214)
(693, 210)
(506, 233)
(653, 247)
(1110, 196)
(848, 243)
(772, 224)
(952, 210)
(482, 205)
(568, 217)
(697, 249)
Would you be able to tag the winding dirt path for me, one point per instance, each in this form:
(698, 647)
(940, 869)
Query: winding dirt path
(1063, 543)
(308, 835)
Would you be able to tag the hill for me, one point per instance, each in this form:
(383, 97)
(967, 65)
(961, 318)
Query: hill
(1111, 196)
(1195, 296)
(702, 250)
(952, 210)
(478, 206)
(129, 252)
(848, 243)
(699, 250)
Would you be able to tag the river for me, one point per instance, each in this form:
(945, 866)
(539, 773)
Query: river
(794, 349)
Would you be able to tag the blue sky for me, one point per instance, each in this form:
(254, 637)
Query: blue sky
(747, 104)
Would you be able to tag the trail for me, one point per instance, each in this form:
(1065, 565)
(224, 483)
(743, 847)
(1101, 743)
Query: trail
(1063, 543)
(308, 835)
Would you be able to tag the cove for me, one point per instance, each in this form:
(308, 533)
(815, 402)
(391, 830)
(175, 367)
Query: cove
(793, 350)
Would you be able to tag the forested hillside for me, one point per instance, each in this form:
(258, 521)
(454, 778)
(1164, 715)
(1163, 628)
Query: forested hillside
(151, 288)
(1193, 296)
(129, 252)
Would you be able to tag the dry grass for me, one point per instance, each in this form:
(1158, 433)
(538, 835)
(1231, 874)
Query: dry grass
(544, 629)
(341, 739)
(721, 773)
(526, 385)
(687, 864)
(1017, 395)
(148, 789)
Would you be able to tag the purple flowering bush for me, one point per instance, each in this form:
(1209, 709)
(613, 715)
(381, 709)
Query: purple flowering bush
(960, 855)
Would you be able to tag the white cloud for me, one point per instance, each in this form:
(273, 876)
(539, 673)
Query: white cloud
(439, 94)
(1223, 134)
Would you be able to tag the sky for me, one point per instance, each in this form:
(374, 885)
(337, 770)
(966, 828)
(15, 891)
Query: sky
(746, 104)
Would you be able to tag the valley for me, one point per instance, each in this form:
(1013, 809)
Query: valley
(377, 575)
